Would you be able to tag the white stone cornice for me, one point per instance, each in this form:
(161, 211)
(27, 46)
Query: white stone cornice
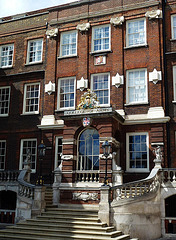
(117, 20)
(154, 14)
(49, 122)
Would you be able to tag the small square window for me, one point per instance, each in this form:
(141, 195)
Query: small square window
(6, 55)
(68, 45)
(35, 51)
(101, 37)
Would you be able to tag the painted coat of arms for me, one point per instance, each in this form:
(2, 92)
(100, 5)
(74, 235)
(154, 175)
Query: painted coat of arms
(88, 100)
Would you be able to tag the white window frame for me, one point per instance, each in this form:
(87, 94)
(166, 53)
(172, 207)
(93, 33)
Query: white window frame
(24, 101)
(172, 26)
(127, 87)
(101, 74)
(61, 44)
(28, 51)
(93, 36)
(33, 155)
(3, 155)
(8, 55)
(56, 151)
(174, 83)
(127, 34)
(5, 114)
(59, 87)
(128, 169)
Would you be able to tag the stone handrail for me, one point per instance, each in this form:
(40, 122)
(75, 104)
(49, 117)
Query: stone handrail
(136, 189)
(25, 189)
(87, 176)
(9, 176)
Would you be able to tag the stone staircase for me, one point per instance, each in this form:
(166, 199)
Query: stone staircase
(64, 223)
(49, 196)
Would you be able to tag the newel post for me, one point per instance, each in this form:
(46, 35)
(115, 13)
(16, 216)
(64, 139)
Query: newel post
(104, 205)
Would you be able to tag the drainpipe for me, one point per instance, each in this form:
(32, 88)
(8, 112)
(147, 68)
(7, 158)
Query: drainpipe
(166, 85)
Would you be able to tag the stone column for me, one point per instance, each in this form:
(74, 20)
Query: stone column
(56, 185)
(39, 203)
(104, 205)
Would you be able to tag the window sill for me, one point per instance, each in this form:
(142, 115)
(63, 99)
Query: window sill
(136, 103)
(64, 109)
(69, 56)
(137, 171)
(33, 63)
(173, 39)
(100, 53)
(174, 101)
(28, 114)
(136, 46)
(4, 115)
(6, 67)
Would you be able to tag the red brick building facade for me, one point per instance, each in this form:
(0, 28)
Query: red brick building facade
(50, 58)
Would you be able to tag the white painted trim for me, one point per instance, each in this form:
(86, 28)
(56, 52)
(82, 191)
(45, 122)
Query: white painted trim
(174, 83)
(6, 45)
(6, 114)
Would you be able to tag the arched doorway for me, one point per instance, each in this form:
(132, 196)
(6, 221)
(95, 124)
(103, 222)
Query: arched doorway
(88, 156)
(170, 214)
(7, 206)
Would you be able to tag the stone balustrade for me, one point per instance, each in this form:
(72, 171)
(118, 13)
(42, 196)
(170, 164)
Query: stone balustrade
(87, 176)
(137, 188)
(168, 175)
(9, 176)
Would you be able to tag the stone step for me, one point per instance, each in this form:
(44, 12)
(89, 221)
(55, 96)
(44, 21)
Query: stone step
(78, 210)
(69, 226)
(68, 213)
(44, 231)
(4, 234)
(72, 223)
(69, 218)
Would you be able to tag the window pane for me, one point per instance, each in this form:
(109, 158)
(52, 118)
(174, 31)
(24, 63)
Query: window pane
(35, 51)
(29, 148)
(6, 55)
(69, 44)
(138, 151)
(100, 87)
(67, 93)
(88, 150)
(136, 33)
(32, 98)
(101, 39)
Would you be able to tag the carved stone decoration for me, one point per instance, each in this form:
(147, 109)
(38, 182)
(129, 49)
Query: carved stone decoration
(50, 87)
(85, 196)
(51, 33)
(82, 84)
(158, 153)
(155, 76)
(117, 21)
(154, 14)
(84, 27)
(117, 80)
(88, 100)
